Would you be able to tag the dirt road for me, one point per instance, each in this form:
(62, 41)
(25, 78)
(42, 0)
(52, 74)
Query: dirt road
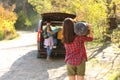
(18, 62)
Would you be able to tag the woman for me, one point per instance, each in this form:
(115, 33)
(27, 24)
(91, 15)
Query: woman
(49, 41)
(75, 50)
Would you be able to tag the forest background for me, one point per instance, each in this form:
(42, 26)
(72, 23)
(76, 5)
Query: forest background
(25, 14)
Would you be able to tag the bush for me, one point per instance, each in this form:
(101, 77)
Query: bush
(1, 34)
(7, 20)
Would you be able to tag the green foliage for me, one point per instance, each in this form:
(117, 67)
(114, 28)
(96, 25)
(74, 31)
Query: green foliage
(1, 34)
(116, 35)
(22, 17)
(114, 75)
(41, 5)
(7, 20)
(25, 21)
(27, 17)
(94, 12)
(28, 22)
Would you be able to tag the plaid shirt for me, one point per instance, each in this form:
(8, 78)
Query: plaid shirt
(76, 52)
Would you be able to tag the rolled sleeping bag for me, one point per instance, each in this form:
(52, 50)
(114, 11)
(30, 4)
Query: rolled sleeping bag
(81, 29)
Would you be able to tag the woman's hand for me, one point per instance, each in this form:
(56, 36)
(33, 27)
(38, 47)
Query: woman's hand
(89, 26)
(90, 30)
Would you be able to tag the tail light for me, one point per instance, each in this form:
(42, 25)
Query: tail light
(39, 35)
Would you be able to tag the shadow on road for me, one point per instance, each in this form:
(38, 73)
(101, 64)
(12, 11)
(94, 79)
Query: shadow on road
(28, 67)
(98, 51)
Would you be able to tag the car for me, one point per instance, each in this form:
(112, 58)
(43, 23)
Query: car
(56, 19)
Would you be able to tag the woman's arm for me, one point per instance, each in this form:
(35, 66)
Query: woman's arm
(90, 31)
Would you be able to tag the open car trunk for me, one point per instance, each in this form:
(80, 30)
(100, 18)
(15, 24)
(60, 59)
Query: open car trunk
(58, 46)
(56, 16)
(56, 20)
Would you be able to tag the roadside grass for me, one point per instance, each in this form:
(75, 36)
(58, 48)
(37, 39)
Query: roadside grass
(114, 75)
(10, 37)
(16, 35)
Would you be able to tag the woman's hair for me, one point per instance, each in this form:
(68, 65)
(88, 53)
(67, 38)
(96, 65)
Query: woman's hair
(68, 31)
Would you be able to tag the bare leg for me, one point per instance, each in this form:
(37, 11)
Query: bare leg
(80, 77)
(71, 77)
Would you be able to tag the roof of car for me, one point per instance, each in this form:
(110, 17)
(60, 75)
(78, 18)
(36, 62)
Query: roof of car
(56, 16)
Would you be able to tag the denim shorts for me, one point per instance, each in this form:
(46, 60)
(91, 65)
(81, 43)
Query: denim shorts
(76, 70)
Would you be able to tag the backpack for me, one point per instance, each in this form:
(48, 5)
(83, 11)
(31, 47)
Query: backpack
(44, 34)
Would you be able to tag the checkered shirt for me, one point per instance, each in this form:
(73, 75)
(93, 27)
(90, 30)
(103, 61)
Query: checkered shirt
(76, 52)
